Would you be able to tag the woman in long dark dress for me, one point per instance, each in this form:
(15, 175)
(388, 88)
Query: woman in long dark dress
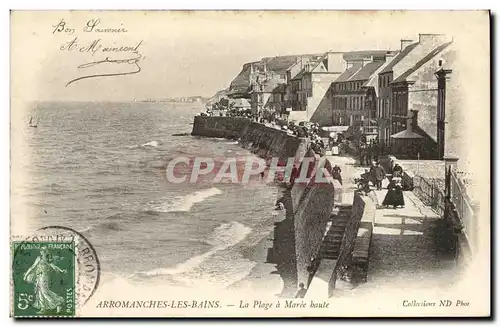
(336, 170)
(394, 196)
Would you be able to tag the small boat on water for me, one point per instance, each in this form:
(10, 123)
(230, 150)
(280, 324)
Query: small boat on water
(32, 124)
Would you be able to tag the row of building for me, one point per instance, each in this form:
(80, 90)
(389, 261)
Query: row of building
(399, 95)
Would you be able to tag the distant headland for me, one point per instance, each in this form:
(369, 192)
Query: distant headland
(190, 99)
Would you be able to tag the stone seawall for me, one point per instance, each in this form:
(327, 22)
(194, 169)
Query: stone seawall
(357, 231)
(310, 222)
(308, 205)
(264, 141)
(227, 127)
(269, 142)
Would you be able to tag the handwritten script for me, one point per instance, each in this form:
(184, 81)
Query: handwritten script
(126, 56)
(92, 26)
(131, 62)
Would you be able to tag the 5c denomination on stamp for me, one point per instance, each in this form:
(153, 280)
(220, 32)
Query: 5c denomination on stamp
(55, 272)
(44, 279)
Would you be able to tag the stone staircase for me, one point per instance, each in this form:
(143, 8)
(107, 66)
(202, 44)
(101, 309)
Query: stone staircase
(330, 247)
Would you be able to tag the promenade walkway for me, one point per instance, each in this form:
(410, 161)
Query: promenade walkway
(405, 249)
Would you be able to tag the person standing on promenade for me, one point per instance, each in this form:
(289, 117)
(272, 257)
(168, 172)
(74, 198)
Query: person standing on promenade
(301, 292)
(397, 171)
(362, 154)
(394, 196)
(376, 149)
(336, 170)
(379, 173)
(369, 152)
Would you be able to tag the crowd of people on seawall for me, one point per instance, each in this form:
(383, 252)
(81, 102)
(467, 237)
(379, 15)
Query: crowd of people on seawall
(367, 151)
(319, 143)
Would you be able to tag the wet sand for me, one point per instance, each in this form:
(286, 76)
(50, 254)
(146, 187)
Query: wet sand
(263, 279)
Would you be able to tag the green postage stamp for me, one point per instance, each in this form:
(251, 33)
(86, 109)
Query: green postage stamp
(43, 279)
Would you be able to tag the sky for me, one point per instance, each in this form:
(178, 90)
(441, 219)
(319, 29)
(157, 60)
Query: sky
(188, 53)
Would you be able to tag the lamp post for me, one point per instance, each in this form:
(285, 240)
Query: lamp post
(418, 163)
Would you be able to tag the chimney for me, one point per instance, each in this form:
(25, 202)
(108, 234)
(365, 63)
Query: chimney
(390, 55)
(336, 62)
(405, 43)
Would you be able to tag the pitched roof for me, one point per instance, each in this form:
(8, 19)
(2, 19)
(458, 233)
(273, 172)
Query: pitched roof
(422, 62)
(398, 58)
(358, 55)
(299, 74)
(348, 73)
(367, 71)
(373, 80)
(313, 63)
(273, 85)
(406, 134)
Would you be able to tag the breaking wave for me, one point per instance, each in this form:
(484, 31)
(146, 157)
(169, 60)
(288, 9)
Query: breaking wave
(153, 144)
(185, 203)
(223, 237)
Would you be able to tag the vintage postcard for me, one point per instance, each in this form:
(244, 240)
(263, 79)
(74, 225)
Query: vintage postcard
(250, 164)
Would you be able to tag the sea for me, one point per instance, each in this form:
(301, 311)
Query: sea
(99, 168)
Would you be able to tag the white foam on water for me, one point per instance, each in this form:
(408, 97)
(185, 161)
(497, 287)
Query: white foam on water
(223, 237)
(185, 203)
(151, 143)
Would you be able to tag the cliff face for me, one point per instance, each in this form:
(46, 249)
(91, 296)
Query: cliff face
(276, 66)
(216, 98)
